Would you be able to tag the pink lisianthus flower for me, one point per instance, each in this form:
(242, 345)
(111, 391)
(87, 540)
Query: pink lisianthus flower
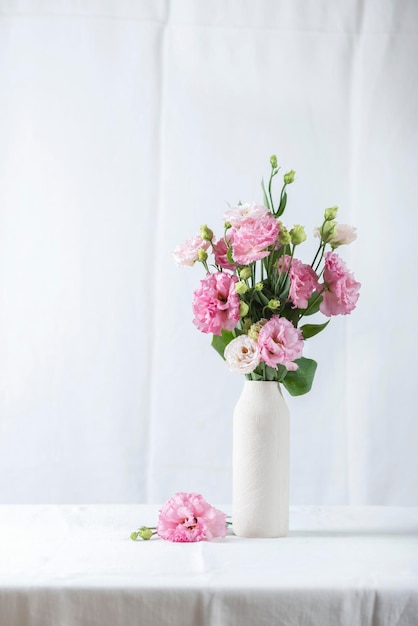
(303, 280)
(216, 304)
(340, 293)
(244, 213)
(280, 342)
(187, 253)
(188, 517)
(250, 241)
(220, 250)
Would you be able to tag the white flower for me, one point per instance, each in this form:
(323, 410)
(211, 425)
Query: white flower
(188, 252)
(242, 355)
(343, 235)
(239, 215)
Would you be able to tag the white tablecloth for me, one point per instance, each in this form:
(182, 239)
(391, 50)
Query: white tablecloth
(75, 565)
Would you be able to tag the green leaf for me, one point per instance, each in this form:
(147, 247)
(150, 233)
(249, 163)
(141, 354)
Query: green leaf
(310, 330)
(291, 314)
(271, 373)
(315, 307)
(262, 299)
(266, 200)
(282, 204)
(257, 374)
(281, 373)
(283, 289)
(300, 382)
(219, 342)
(229, 255)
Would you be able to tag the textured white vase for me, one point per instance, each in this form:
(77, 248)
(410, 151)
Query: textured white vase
(260, 491)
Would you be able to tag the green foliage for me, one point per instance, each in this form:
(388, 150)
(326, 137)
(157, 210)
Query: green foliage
(313, 305)
(300, 382)
(229, 255)
(310, 330)
(219, 342)
(282, 205)
(282, 291)
(265, 197)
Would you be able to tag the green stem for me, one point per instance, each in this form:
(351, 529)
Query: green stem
(251, 299)
(321, 244)
(321, 247)
(312, 304)
(317, 252)
(283, 280)
(290, 260)
(273, 173)
(217, 267)
(321, 257)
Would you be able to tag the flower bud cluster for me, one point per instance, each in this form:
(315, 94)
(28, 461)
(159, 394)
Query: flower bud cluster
(284, 235)
(245, 273)
(273, 304)
(331, 213)
(243, 308)
(297, 234)
(144, 533)
(255, 329)
(206, 233)
(241, 287)
(273, 161)
(289, 177)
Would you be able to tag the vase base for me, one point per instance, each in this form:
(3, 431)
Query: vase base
(257, 533)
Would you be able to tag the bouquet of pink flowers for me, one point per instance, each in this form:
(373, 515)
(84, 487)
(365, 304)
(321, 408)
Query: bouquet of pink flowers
(256, 291)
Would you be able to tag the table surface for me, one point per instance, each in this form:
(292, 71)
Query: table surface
(77, 565)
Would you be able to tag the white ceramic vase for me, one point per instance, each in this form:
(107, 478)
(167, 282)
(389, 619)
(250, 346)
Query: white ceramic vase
(260, 491)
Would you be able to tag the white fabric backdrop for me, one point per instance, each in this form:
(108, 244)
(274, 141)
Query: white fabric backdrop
(124, 126)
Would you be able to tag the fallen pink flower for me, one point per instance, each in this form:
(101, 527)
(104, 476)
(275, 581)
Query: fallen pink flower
(188, 517)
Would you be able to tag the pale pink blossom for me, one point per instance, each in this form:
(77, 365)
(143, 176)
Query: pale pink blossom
(244, 213)
(220, 250)
(343, 235)
(251, 240)
(303, 280)
(280, 342)
(187, 253)
(336, 234)
(188, 517)
(242, 355)
(216, 304)
(340, 293)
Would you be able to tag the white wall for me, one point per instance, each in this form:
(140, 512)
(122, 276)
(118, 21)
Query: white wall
(124, 126)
